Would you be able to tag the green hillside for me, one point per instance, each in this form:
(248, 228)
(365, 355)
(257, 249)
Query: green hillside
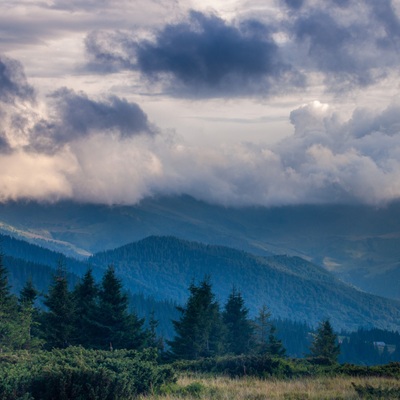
(359, 244)
(292, 287)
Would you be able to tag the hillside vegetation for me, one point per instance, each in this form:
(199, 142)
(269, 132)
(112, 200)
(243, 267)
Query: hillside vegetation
(357, 243)
(292, 287)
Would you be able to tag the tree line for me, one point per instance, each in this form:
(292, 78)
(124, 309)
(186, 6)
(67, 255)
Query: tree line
(97, 316)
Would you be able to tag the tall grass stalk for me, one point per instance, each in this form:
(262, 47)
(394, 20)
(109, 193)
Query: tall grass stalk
(223, 388)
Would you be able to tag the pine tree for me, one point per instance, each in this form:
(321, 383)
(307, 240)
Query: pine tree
(29, 316)
(239, 330)
(199, 332)
(85, 296)
(59, 319)
(325, 343)
(116, 328)
(9, 318)
(153, 339)
(262, 327)
(28, 294)
(275, 346)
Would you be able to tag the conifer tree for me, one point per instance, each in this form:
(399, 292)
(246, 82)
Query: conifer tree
(199, 332)
(116, 328)
(28, 294)
(325, 343)
(29, 316)
(85, 296)
(153, 339)
(265, 335)
(239, 330)
(262, 327)
(275, 346)
(9, 329)
(58, 321)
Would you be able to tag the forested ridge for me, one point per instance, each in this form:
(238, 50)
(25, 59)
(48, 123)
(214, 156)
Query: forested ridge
(293, 288)
(87, 342)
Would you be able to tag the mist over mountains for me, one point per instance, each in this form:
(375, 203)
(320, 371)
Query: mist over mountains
(157, 272)
(358, 244)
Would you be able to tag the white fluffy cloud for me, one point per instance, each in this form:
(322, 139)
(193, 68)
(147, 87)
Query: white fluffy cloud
(327, 159)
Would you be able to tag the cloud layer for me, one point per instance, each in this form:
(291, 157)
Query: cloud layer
(107, 144)
(107, 151)
(351, 44)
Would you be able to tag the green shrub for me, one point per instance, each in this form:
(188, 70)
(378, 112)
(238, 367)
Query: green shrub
(237, 366)
(79, 374)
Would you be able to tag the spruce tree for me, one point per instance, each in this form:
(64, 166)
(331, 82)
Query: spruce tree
(58, 320)
(116, 328)
(10, 333)
(262, 327)
(266, 342)
(239, 330)
(153, 340)
(199, 332)
(28, 294)
(325, 343)
(29, 316)
(85, 296)
(275, 346)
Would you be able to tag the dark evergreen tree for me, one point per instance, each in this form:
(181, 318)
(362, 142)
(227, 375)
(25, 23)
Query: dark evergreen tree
(153, 339)
(58, 320)
(199, 331)
(29, 316)
(85, 297)
(262, 327)
(116, 328)
(238, 327)
(266, 341)
(28, 294)
(9, 318)
(275, 346)
(325, 343)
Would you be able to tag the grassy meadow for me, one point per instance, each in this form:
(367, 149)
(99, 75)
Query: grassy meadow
(249, 388)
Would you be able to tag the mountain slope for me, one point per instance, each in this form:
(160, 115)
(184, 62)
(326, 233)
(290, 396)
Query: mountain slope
(359, 244)
(292, 287)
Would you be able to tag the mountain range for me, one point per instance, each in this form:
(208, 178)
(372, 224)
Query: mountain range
(357, 243)
(162, 268)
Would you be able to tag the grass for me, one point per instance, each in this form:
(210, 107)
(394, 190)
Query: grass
(320, 388)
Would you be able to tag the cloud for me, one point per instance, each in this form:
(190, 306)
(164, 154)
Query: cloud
(202, 56)
(328, 159)
(353, 44)
(350, 44)
(294, 4)
(75, 115)
(13, 83)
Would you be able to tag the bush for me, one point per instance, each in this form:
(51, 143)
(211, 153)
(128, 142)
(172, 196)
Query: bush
(79, 374)
(237, 366)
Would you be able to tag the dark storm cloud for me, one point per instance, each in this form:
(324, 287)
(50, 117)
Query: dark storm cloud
(76, 116)
(13, 83)
(352, 44)
(205, 50)
(201, 56)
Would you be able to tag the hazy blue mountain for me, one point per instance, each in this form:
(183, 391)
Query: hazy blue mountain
(291, 287)
(359, 244)
(158, 270)
(25, 261)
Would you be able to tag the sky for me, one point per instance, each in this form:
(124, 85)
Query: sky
(234, 102)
